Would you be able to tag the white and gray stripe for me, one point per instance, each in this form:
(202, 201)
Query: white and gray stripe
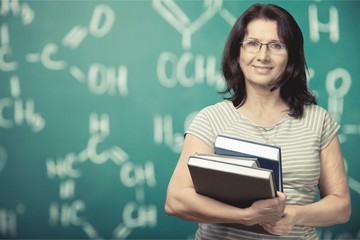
(301, 141)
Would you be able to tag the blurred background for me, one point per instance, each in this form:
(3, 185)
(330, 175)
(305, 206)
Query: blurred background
(95, 97)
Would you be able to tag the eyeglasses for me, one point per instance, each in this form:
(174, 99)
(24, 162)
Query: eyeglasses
(254, 46)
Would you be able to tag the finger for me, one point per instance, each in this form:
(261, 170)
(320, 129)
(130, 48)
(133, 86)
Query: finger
(276, 230)
(270, 229)
(282, 196)
(267, 225)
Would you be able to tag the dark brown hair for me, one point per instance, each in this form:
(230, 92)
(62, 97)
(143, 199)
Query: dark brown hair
(292, 84)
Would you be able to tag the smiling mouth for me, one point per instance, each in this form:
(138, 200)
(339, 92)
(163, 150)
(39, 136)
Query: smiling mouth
(262, 69)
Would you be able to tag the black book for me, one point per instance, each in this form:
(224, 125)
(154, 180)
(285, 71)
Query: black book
(233, 184)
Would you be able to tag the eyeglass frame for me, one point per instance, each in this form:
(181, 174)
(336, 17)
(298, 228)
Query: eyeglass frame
(267, 45)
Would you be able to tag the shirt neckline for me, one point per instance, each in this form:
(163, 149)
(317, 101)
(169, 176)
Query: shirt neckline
(265, 128)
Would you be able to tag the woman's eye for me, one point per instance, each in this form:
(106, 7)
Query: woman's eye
(276, 45)
(253, 43)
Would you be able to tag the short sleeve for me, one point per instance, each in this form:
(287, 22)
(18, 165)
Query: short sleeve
(201, 128)
(329, 130)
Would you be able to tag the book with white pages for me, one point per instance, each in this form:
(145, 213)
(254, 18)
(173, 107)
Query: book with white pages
(269, 156)
(233, 184)
(244, 161)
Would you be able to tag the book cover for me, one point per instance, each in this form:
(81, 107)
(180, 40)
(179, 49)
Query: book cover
(238, 160)
(236, 185)
(269, 156)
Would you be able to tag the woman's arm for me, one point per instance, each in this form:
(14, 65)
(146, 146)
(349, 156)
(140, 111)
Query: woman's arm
(335, 204)
(182, 201)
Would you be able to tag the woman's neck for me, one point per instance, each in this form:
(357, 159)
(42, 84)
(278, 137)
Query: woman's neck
(264, 109)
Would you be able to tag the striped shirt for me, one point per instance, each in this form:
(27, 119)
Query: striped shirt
(300, 139)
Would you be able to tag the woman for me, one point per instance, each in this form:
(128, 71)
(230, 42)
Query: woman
(264, 67)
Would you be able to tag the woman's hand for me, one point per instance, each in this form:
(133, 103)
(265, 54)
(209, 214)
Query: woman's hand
(269, 210)
(285, 225)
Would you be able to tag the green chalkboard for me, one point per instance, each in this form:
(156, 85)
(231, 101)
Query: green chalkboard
(95, 97)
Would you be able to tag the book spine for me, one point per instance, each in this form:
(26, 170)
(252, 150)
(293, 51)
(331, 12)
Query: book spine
(275, 166)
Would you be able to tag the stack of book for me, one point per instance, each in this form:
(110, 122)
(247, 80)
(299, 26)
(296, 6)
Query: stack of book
(239, 173)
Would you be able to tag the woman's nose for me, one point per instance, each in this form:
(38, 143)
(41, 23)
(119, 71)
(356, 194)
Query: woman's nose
(263, 54)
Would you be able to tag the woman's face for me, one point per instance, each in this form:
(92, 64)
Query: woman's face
(265, 67)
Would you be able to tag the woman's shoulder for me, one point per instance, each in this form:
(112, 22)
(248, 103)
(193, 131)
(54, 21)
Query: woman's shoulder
(220, 113)
(314, 111)
(222, 106)
(317, 118)
(212, 120)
